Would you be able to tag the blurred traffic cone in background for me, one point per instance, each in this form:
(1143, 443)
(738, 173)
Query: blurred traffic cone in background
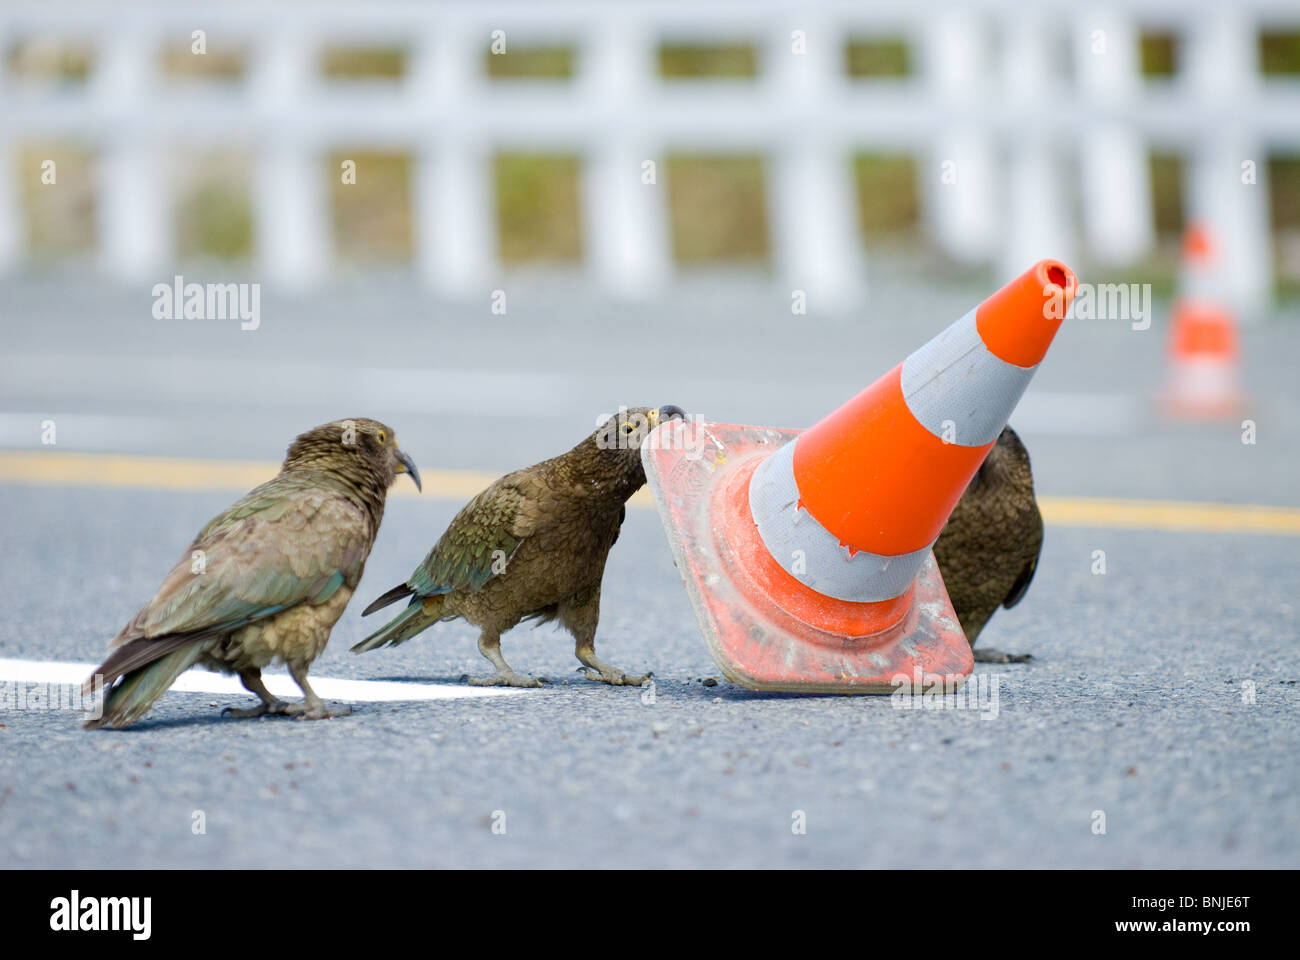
(807, 556)
(1204, 353)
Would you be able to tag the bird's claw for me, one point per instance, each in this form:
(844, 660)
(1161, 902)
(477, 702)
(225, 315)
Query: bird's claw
(997, 656)
(617, 678)
(279, 707)
(510, 679)
(320, 712)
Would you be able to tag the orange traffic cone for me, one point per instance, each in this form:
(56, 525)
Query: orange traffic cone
(1204, 355)
(807, 556)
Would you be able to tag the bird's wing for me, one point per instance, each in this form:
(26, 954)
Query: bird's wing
(484, 536)
(1017, 591)
(618, 527)
(286, 542)
(1021, 585)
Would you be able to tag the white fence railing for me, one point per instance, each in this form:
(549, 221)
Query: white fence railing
(1031, 125)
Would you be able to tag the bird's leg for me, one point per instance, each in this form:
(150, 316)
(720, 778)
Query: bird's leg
(602, 671)
(585, 650)
(312, 707)
(252, 681)
(972, 622)
(489, 644)
(581, 618)
(986, 655)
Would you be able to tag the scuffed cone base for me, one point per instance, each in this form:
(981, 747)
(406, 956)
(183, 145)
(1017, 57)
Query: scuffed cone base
(756, 642)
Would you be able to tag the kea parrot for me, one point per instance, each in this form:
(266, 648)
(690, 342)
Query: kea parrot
(988, 550)
(264, 581)
(532, 546)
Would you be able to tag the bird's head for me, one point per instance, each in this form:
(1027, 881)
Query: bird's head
(617, 441)
(1007, 462)
(356, 447)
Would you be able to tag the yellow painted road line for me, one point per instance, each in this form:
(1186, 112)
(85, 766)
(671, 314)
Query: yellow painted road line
(50, 468)
(1170, 515)
(167, 473)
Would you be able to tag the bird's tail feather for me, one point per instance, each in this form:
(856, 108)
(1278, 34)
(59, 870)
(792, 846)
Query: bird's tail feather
(135, 655)
(140, 689)
(392, 596)
(420, 615)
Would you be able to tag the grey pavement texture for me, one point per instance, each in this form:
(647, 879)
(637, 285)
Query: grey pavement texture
(1133, 705)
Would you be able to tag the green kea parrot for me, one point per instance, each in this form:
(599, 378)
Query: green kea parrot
(988, 550)
(532, 546)
(264, 581)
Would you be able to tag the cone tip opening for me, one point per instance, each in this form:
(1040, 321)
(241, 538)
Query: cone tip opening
(1057, 278)
(1018, 322)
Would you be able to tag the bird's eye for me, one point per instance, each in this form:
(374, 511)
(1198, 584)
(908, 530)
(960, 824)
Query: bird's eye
(382, 436)
(629, 429)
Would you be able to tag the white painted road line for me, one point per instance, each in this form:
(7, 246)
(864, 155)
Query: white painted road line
(204, 681)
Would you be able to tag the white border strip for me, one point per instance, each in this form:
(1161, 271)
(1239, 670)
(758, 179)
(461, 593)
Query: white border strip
(811, 553)
(204, 681)
(954, 380)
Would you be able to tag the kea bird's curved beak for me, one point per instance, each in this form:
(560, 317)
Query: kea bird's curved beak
(668, 411)
(406, 465)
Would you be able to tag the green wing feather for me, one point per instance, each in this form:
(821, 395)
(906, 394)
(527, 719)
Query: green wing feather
(489, 528)
(288, 541)
(464, 558)
(295, 539)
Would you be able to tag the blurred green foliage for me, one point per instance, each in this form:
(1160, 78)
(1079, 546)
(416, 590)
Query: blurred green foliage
(1284, 181)
(372, 216)
(215, 219)
(1158, 53)
(1167, 192)
(51, 61)
(718, 207)
(877, 57)
(888, 201)
(529, 63)
(363, 63)
(1279, 53)
(697, 62)
(1284, 177)
(61, 217)
(539, 216)
(222, 65)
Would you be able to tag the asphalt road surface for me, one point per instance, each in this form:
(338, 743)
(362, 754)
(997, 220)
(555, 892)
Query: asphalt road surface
(1156, 726)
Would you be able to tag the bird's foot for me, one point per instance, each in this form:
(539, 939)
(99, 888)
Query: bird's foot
(616, 677)
(275, 707)
(997, 656)
(505, 678)
(309, 710)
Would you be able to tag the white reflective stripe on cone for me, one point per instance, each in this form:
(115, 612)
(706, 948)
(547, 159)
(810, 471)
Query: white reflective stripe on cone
(1209, 376)
(812, 554)
(956, 379)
